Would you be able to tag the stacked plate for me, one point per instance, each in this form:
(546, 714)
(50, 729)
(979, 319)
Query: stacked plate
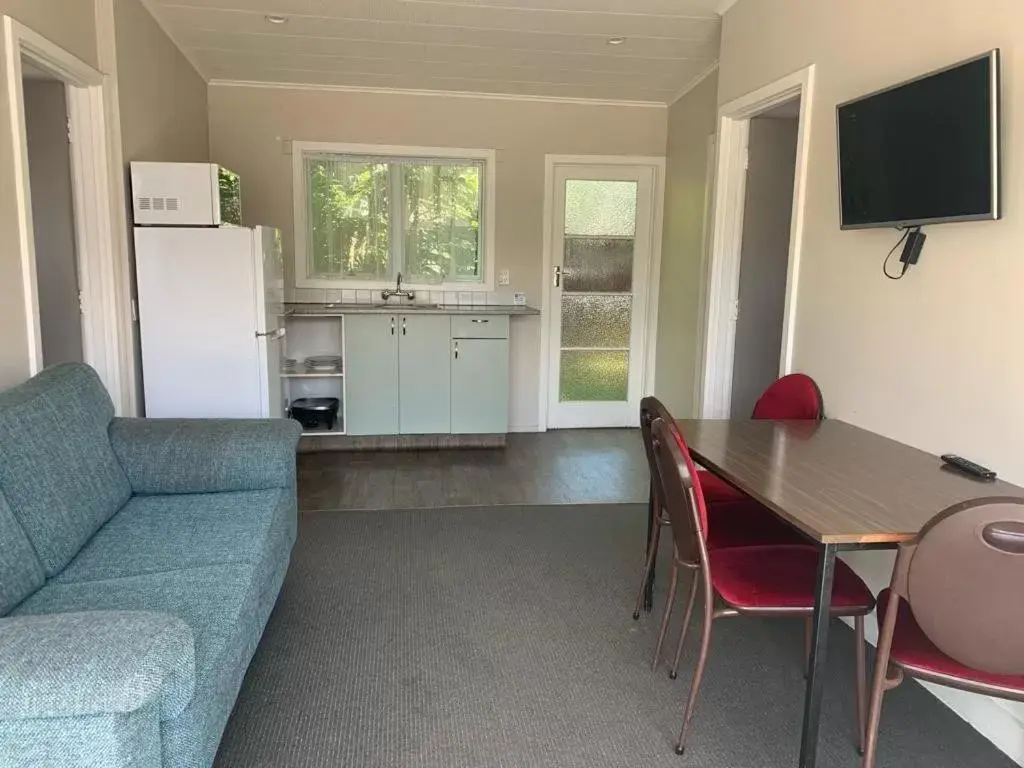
(323, 363)
(288, 365)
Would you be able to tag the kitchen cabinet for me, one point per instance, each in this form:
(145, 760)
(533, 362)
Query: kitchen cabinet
(424, 375)
(372, 374)
(479, 386)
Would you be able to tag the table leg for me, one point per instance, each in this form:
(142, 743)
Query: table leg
(649, 589)
(819, 649)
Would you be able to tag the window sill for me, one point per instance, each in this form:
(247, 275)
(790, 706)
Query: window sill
(377, 285)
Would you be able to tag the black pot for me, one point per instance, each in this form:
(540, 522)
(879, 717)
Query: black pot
(316, 412)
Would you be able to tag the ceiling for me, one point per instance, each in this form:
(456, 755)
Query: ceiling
(553, 48)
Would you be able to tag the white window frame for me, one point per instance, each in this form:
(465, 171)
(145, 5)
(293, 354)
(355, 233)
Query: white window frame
(487, 256)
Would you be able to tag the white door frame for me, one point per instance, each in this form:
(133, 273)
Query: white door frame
(723, 274)
(650, 330)
(101, 252)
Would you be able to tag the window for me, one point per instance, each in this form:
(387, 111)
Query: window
(365, 214)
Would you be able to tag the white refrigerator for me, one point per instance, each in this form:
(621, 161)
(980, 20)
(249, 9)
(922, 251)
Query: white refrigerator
(210, 321)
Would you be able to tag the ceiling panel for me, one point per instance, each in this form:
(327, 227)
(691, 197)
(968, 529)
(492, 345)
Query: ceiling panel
(557, 48)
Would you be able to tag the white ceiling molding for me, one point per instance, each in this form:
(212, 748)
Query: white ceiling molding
(595, 50)
(725, 6)
(695, 82)
(448, 94)
(152, 8)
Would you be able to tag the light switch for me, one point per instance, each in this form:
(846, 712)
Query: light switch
(503, 277)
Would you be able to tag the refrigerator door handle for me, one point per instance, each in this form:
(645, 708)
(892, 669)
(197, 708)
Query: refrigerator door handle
(274, 335)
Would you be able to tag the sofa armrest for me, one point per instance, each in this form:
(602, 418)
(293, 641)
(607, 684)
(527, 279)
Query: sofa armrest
(95, 663)
(206, 455)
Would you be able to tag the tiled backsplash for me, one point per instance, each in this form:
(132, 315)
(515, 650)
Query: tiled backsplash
(503, 296)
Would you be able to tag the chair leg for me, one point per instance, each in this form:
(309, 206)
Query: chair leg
(652, 551)
(861, 683)
(808, 630)
(698, 674)
(667, 613)
(887, 625)
(686, 624)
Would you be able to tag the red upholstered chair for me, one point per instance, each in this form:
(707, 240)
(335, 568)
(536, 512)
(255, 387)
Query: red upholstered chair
(767, 580)
(795, 396)
(952, 614)
(740, 523)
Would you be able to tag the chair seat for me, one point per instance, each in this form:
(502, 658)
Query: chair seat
(716, 490)
(746, 523)
(912, 648)
(782, 577)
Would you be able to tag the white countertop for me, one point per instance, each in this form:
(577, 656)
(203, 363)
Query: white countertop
(331, 310)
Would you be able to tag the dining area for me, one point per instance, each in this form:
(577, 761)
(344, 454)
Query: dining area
(761, 516)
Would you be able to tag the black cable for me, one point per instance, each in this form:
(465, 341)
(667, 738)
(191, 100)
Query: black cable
(885, 264)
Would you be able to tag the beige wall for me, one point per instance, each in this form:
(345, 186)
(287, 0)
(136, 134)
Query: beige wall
(163, 98)
(691, 120)
(71, 24)
(53, 221)
(248, 127)
(933, 360)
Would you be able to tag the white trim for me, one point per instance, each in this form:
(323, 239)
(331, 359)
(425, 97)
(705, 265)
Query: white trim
(103, 342)
(650, 332)
(218, 82)
(694, 83)
(151, 7)
(722, 287)
(487, 214)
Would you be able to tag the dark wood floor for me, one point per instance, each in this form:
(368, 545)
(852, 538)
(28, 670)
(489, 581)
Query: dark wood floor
(558, 467)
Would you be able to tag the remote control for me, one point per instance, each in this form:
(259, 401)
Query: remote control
(968, 467)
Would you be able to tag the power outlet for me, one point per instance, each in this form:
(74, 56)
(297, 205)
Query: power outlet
(504, 278)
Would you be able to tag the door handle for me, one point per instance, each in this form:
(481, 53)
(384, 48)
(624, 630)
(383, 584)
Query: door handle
(456, 350)
(481, 320)
(558, 277)
(392, 326)
(403, 326)
(274, 335)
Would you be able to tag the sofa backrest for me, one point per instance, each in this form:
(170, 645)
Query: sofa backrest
(21, 573)
(57, 469)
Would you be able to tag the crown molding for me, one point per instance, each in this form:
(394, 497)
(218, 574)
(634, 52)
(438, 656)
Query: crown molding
(151, 8)
(218, 82)
(724, 6)
(695, 82)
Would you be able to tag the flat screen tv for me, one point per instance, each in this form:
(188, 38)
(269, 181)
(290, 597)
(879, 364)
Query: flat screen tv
(924, 151)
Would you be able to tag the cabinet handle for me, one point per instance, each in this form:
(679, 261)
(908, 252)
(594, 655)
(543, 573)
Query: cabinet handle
(557, 277)
(403, 326)
(392, 326)
(480, 320)
(456, 350)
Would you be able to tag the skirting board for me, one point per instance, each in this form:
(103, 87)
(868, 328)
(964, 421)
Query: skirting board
(316, 443)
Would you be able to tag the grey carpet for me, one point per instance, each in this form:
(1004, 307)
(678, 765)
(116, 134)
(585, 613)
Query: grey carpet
(502, 637)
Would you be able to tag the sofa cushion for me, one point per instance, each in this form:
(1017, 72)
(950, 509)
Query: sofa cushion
(163, 533)
(57, 468)
(21, 573)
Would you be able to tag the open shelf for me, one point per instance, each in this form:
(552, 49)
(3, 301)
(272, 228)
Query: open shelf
(311, 375)
(339, 429)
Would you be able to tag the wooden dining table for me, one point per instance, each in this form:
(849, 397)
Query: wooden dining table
(845, 488)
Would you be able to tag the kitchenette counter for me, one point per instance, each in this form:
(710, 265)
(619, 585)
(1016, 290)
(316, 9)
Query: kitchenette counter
(295, 309)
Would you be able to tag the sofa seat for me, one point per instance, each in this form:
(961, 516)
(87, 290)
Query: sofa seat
(216, 561)
(152, 534)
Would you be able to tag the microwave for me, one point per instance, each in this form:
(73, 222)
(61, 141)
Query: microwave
(185, 195)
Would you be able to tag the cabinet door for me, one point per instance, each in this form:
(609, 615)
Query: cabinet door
(479, 386)
(371, 374)
(424, 374)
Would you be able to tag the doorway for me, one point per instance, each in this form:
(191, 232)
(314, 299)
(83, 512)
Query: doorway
(90, 321)
(764, 254)
(53, 216)
(604, 224)
(756, 244)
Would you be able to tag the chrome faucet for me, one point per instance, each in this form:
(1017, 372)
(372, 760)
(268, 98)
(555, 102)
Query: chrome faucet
(387, 293)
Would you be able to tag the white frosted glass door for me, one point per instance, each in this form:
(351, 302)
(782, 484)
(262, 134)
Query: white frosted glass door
(601, 245)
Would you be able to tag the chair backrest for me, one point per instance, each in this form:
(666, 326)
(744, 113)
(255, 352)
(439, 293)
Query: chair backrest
(963, 582)
(652, 408)
(795, 396)
(681, 494)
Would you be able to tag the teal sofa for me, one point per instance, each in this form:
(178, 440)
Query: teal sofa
(139, 562)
